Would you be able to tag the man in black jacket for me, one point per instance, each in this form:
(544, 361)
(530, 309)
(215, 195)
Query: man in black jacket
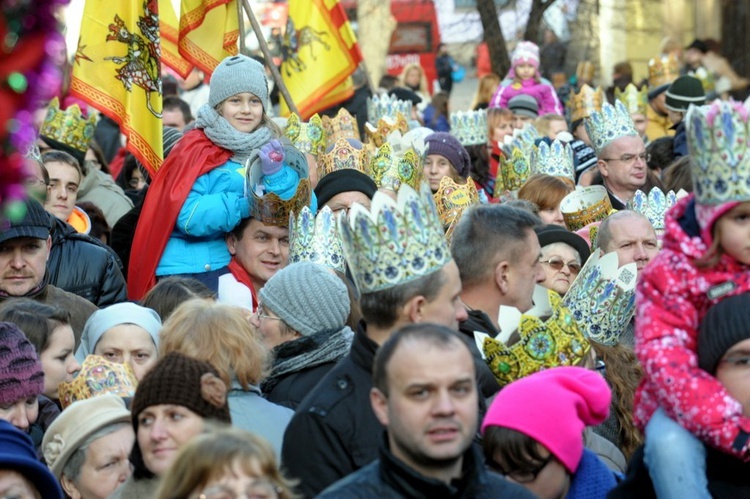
(425, 394)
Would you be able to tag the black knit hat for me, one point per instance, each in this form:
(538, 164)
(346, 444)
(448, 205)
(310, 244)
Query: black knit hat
(684, 91)
(726, 324)
(344, 181)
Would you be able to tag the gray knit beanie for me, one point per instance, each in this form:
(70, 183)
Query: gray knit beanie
(308, 297)
(235, 75)
(724, 325)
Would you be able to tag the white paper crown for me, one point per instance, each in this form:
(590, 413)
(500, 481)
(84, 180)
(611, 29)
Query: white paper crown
(611, 123)
(380, 106)
(602, 298)
(315, 239)
(653, 205)
(584, 206)
(554, 159)
(719, 142)
(470, 127)
(395, 242)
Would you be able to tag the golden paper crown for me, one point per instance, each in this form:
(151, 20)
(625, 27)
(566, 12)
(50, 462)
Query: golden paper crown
(307, 137)
(395, 242)
(97, 377)
(345, 154)
(315, 239)
(68, 127)
(549, 337)
(584, 206)
(376, 136)
(451, 200)
(515, 169)
(586, 101)
(663, 70)
(397, 162)
(343, 126)
(636, 101)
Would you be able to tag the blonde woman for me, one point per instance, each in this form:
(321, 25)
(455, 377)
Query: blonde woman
(414, 78)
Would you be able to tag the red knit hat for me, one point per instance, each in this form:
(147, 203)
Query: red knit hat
(21, 374)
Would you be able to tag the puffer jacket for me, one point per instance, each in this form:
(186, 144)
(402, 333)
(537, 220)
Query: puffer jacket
(673, 296)
(84, 266)
(542, 91)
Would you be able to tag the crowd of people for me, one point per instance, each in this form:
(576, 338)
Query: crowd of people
(544, 296)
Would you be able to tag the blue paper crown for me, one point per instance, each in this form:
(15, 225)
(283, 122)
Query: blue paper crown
(315, 239)
(470, 127)
(554, 159)
(386, 105)
(611, 123)
(653, 205)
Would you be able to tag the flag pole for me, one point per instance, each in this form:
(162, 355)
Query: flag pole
(269, 60)
(241, 24)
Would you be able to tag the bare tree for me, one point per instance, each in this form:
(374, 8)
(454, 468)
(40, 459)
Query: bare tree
(538, 8)
(375, 27)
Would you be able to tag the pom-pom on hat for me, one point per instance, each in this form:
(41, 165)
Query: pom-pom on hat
(553, 407)
(237, 74)
(21, 375)
(446, 145)
(525, 53)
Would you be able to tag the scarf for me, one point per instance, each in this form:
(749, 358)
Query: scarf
(224, 135)
(306, 352)
(239, 273)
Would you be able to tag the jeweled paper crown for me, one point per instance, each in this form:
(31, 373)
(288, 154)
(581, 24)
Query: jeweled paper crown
(611, 123)
(636, 101)
(718, 139)
(653, 205)
(515, 168)
(315, 239)
(376, 135)
(663, 70)
(68, 127)
(553, 159)
(452, 200)
(386, 105)
(585, 101)
(397, 162)
(395, 242)
(342, 126)
(549, 337)
(307, 137)
(343, 155)
(584, 206)
(469, 127)
(602, 298)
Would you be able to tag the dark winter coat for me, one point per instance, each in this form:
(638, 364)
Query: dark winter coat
(478, 321)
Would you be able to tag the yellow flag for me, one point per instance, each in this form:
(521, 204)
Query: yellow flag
(209, 30)
(320, 51)
(117, 71)
(170, 37)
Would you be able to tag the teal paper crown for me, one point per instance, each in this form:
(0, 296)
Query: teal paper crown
(470, 127)
(611, 123)
(381, 106)
(555, 159)
(653, 205)
(315, 239)
(395, 242)
(719, 143)
(602, 298)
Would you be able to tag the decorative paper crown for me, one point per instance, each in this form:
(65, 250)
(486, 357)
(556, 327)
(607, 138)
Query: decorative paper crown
(470, 127)
(343, 126)
(452, 199)
(397, 162)
(611, 123)
(68, 127)
(706, 78)
(269, 208)
(396, 241)
(602, 298)
(515, 168)
(315, 239)
(307, 137)
(653, 205)
(343, 155)
(553, 341)
(663, 70)
(586, 101)
(718, 138)
(555, 159)
(377, 136)
(584, 206)
(97, 377)
(386, 105)
(636, 101)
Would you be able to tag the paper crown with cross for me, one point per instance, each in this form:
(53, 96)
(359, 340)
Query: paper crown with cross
(663, 71)
(452, 200)
(342, 126)
(653, 205)
(395, 242)
(343, 154)
(609, 124)
(553, 159)
(69, 126)
(584, 206)
(386, 105)
(718, 137)
(585, 102)
(315, 239)
(469, 127)
(548, 337)
(636, 101)
(307, 137)
(602, 298)
(377, 135)
(397, 162)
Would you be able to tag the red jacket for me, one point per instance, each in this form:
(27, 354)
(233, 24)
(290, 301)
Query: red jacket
(672, 299)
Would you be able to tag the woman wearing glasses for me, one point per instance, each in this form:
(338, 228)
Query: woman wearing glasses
(563, 255)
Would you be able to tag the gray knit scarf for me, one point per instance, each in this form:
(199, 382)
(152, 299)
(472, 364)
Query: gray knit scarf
(306, 352)
(224, 135)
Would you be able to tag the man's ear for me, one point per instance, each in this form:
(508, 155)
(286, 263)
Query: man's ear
(413, 310)
(603, 167)
(379, 403)
(502, 277)
(231, 241)
(49, 247)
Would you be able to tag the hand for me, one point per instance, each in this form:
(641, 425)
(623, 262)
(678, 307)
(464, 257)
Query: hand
(272, 157)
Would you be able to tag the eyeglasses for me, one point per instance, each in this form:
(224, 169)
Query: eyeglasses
(630, 158)
(558, 264)
(524, 476)
(259, 313)
(259, 489)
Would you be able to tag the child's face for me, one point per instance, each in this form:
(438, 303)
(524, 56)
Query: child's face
(732, 372)
(555, 127)
(525, 71)
(243, 111)
(501, 130)
(674, 116)
(435, 168)
(734, 232)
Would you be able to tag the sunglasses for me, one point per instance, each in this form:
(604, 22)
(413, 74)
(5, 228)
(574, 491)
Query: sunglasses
(557, 264)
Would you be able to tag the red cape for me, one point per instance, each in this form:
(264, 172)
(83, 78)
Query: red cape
(193, 156)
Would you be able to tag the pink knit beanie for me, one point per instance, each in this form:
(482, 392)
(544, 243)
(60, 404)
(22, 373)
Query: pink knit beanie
(553, 407)
(21, 375)
(525, 53)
